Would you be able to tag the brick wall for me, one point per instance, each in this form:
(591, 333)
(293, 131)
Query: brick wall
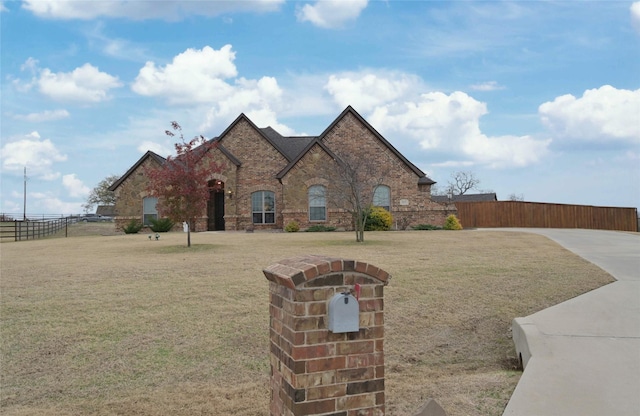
(129, 195)
(132, 190)
(260, 163)
(315, 371)
(410, 203)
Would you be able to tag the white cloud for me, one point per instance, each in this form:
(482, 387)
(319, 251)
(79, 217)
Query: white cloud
(265, 117)
(163, 149)
(635, 15)
(254, 98)
(49, 203)
(2, 7)
(196, 75)
(631, 155)
(603, 115)
(451, 124)
(434, 120)
(37, 155)
(208, 77)
(506, 151)
(366, 90)
(12, 206)
(116, 47)
(47, 115)
(75, 186)
(31, 65)
(330, 14)
(83, 84)
(487, 86)
(304, 95)
(139, 10)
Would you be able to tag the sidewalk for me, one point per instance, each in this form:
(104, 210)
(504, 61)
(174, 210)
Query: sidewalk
(582, 357)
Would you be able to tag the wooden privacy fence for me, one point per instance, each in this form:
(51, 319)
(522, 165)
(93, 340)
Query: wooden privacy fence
(495, 214)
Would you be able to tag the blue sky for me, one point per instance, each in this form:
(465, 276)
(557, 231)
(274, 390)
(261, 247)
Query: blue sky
(538, 99)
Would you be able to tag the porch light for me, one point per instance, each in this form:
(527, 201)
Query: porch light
(230, 193)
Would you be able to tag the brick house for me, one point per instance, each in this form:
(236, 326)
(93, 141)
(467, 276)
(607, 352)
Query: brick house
(268, 180)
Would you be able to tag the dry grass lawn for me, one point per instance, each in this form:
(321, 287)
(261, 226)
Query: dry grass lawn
(120, 325)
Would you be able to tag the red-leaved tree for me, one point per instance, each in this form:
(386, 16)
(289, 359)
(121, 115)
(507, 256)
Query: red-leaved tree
(180, 184)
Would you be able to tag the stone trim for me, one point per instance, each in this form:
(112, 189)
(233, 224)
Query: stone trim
(317, 181)
(295, 271)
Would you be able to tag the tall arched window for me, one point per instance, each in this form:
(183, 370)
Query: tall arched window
(317, 203)
(382, 197)
(149, 209)
(263, 205)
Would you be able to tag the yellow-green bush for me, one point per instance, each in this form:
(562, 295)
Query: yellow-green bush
(379, 219)
(452, 223)
(292, 227)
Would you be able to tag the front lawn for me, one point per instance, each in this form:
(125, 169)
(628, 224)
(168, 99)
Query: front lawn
(124, 325)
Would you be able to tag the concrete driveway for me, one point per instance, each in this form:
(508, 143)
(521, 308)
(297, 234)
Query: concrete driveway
(582, 357)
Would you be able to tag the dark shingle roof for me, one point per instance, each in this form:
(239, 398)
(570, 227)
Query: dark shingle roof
(314, 141)
(291, 146)
(465, 198)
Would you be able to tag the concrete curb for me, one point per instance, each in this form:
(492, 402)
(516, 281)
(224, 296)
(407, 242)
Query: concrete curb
(582, 356)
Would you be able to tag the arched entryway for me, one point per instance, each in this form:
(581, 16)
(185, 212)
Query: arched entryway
(215, 206)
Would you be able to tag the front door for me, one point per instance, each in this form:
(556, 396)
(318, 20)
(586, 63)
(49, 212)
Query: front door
(215, 206)
(219, 212)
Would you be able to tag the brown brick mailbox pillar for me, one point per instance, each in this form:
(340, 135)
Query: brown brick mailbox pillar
(315, 371)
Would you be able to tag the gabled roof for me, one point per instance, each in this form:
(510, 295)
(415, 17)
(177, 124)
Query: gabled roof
(269, 134)
(465, 198)
(213, 143)
(423, 179)
(292, 146)
(148, 154)
(226, 152)
(304, 151)
(106, 210)
(161, 160)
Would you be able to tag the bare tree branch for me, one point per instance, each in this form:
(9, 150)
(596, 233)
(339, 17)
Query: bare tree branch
(356, 179)
(462, 182)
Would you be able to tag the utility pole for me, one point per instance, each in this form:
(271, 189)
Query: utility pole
(24, 213)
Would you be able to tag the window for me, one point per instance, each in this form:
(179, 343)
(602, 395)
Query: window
(382, 197)
(263, 205)
(317, 203)
(149, 210)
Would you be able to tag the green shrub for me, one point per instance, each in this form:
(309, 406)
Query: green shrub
(161, 225)
(452, 223)
(292, 227)
(133, 227)
(379, 219)
(427, 227)
(319, 228)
